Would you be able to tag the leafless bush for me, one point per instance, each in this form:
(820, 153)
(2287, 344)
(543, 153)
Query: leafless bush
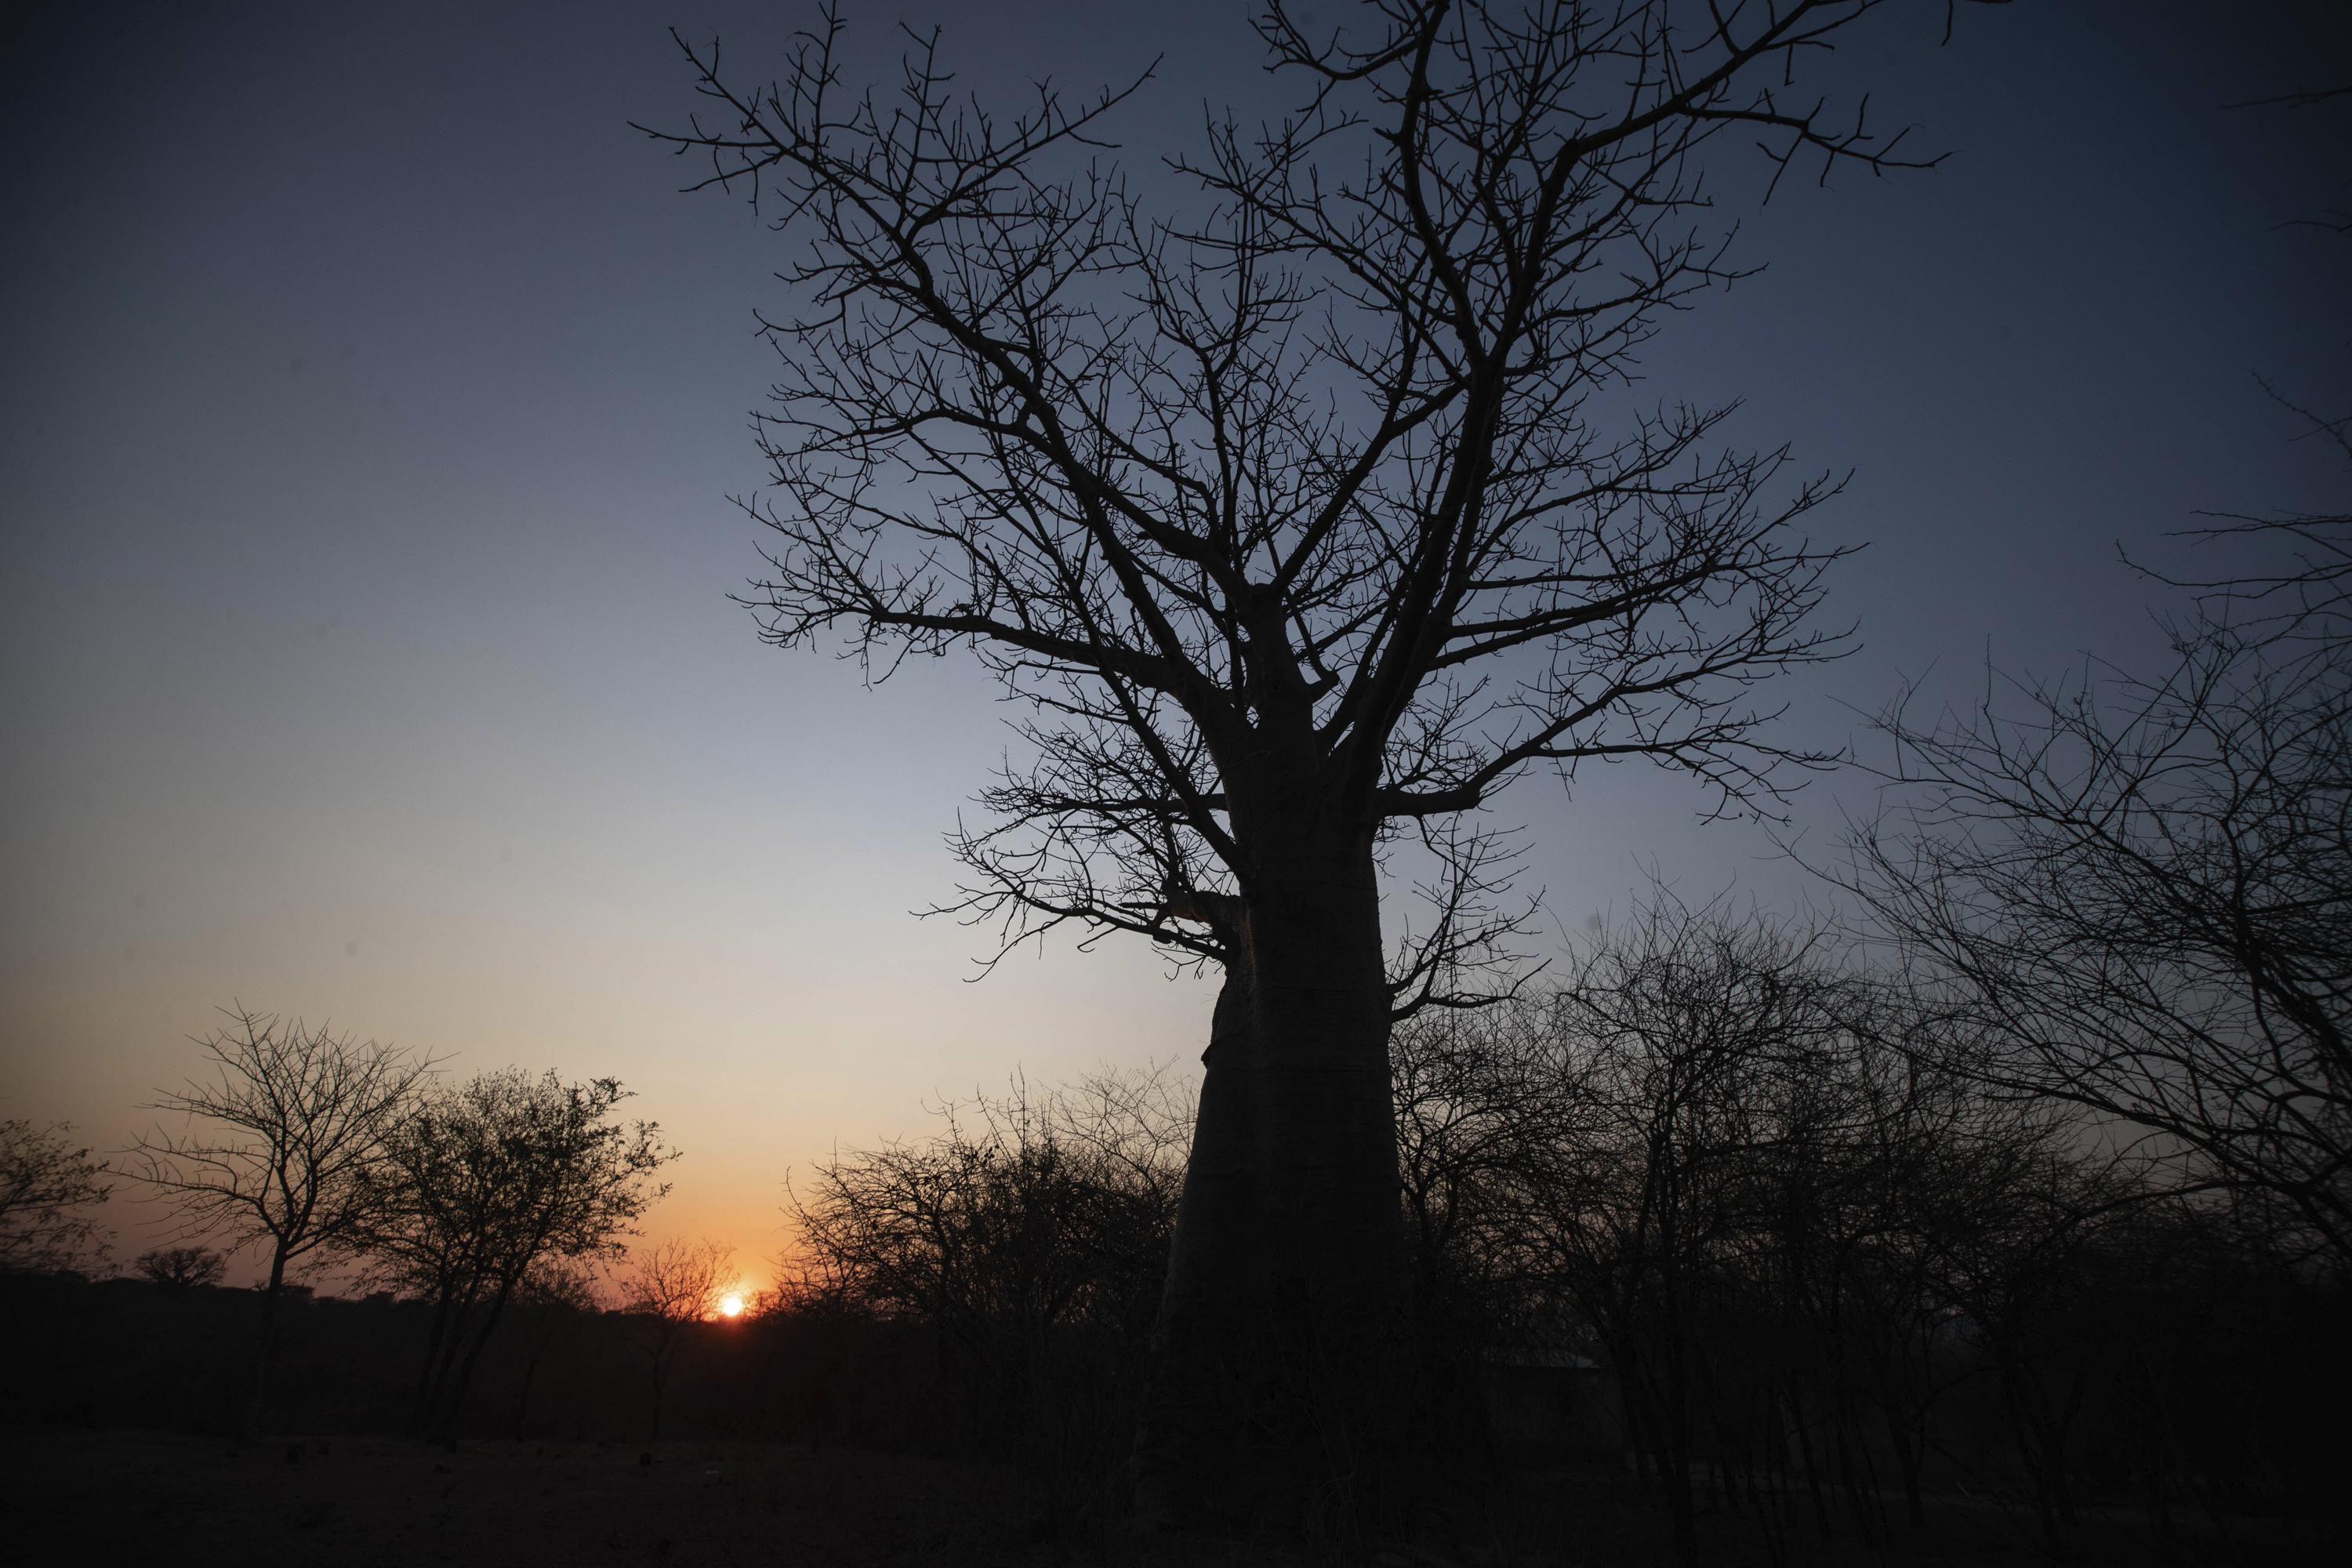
(1024, 1211)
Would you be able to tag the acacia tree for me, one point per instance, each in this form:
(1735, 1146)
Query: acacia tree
(1295, 515)
(44, 1182)
(488, 1180)
(181, 1268)
(299, 1117)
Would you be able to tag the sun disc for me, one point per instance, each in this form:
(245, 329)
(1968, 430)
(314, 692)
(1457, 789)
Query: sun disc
(730, 1306)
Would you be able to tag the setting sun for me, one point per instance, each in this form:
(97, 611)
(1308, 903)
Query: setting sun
(730, 1306)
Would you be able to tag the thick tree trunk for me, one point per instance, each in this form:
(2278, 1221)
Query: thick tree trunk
(1332, 1228)
(1276, 1356)
(1183, 1445)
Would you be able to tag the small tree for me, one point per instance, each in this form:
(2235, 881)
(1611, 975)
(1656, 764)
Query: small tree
(298, 1118)
(181, 1268)
(487, 1180)
(1754, 1178)
(43, 1182)
(672, 1288)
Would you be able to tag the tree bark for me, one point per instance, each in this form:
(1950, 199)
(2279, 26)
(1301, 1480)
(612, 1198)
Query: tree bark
(1332, 1226)
(420, 1413)
(1195, 1370)
(1276, 1348)
(445, 1424)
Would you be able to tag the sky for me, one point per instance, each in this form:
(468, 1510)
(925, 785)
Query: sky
(372, 401)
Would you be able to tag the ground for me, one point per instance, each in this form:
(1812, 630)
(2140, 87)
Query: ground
(356, 1502)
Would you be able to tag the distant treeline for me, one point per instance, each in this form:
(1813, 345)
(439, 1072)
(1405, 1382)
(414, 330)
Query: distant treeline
(1723, 1205)
(125, 1352)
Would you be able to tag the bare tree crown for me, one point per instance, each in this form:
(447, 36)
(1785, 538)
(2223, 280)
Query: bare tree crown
(1308, 492)
(282, 1135)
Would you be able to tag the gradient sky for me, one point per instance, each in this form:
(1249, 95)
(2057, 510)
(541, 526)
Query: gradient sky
(371, 400)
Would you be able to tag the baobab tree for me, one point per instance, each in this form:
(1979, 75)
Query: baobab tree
(1297, 515)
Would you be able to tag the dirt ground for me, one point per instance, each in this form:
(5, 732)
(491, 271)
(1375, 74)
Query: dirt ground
(356, 1502)
(70, 1495)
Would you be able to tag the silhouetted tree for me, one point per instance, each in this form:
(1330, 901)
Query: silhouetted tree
(489, 1178)
(1904, 1158)
(43, 1181)
(1024, 1211)
(1029, 1234)
(1758, 1183)
(1297, 518)
(2143, 885)
(2021, 1277)
(298, 1121)
(668, 1289)
(181, 1268)
(1691, 1046)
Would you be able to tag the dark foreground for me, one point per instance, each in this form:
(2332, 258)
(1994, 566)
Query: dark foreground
(356, 1501)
